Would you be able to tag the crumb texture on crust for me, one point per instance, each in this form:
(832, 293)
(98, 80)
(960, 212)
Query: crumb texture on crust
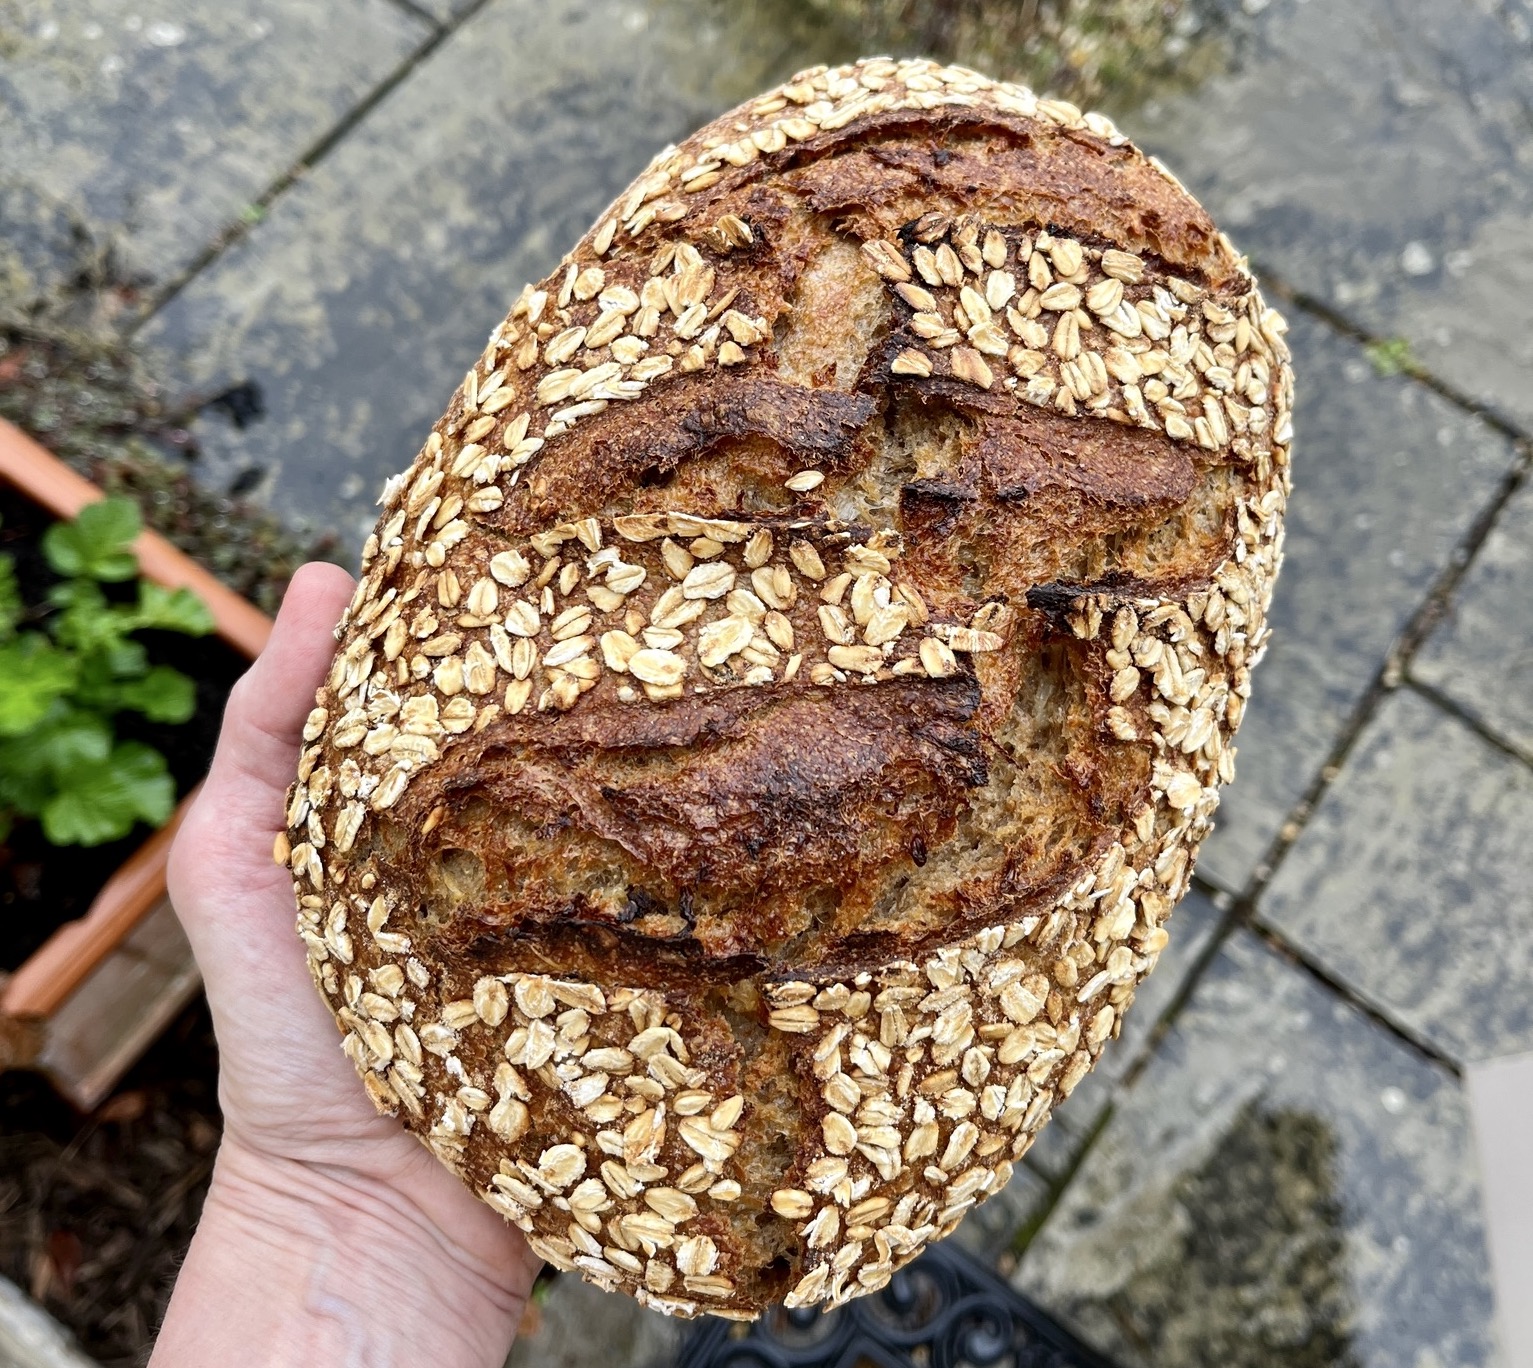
(786, 694)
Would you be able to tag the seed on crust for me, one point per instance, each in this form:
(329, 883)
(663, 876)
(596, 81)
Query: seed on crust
(792, 1204)
(617, 649)
(1124, 266)
(911, 362)
(807, 559)
(711, 580)
(886, 258)
(657, 667)
(722, 639)
(858, 659)
(491, 1001)
(795, 1019)
(969, 365)
(975, 643)
(839, 1133)
(937, 658)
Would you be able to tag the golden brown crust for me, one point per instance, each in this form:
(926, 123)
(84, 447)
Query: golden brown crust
(786, 694)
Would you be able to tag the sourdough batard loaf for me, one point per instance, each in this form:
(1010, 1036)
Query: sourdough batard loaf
(785, 696)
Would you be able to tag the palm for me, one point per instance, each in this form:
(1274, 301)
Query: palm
(286, 1089)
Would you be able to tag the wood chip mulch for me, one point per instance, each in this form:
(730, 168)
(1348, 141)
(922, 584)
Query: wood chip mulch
(96, 1211)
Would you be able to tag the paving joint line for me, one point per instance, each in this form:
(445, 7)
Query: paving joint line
(1241, 915)
(1456, 710)
(417, 12)
(1017, 1245)
(1391, 674)
(306, 162)
(1229, 920)
(1275, 942)
(1328, 314)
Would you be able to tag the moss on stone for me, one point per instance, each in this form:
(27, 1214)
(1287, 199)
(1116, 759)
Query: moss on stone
(1259, 1276)
(1109, 54)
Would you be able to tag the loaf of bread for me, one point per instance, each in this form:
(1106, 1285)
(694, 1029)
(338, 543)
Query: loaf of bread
(785, 696)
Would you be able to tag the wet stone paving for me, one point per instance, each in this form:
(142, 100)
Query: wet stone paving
(333, 204)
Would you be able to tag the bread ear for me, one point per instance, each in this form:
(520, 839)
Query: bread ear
(786, 694)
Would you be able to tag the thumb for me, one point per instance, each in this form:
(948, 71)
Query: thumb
(240, 808)
(263, 724)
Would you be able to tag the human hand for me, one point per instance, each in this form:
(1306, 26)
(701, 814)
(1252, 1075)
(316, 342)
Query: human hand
(383, 1255)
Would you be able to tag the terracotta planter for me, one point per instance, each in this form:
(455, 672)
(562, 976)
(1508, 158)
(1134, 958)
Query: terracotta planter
(98, 991)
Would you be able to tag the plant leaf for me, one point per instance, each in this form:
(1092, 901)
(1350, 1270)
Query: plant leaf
(172, 610)
(97, 544)
(88, 624)
(12, 609)
(162, 695)
(76, 740)
(26, 783)
(103, 801)
(33, 674)
(34, 767)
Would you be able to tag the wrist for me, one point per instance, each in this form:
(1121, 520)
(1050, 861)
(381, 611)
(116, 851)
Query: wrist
(294, 1263)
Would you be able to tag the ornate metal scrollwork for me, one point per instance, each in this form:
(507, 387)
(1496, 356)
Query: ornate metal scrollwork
(946, 1310)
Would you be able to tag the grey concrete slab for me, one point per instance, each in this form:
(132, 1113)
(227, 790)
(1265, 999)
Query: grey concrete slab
(1388, 478)
(1413, 882)
(152, 127)
(1481, 655)
(1378, 155)
(1286, 1183)
(371, 287)
(1192, 927)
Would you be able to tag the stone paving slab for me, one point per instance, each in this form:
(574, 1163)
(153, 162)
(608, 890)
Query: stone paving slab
(1287, 1183)
(1413, 882)
(371, 287)
(1378, 156)
(442, 11)
(1481, 656)
(1192, 927)
(152, 127)
(1388, 478)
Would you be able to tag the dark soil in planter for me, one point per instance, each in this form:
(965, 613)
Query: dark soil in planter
(96, 1212)
(42, 887)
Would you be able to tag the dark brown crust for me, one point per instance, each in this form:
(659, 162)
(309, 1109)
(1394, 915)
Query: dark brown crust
(1004, 169)
(717, 810)
(626, 447)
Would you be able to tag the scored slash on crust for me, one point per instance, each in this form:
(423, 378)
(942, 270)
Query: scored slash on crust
(594, 1116)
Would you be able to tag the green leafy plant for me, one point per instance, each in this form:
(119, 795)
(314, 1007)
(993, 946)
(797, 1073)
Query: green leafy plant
(69, 666)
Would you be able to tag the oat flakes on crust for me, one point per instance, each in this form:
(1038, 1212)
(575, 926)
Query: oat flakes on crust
(786, 694)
